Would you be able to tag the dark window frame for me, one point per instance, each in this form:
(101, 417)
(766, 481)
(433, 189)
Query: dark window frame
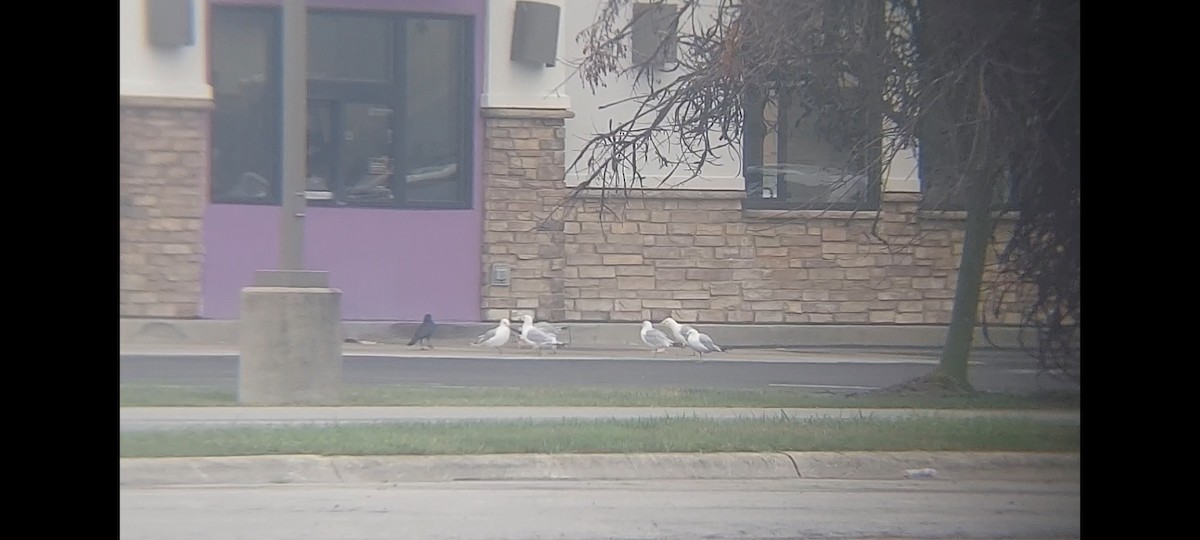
(391, 93)
(274, 111)
(753, 133)
(927, 171)
(930, 143)
(654, 34)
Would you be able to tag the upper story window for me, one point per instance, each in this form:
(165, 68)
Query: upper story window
(791, 164)
(389, 121)
(653, 34)
(941, 186)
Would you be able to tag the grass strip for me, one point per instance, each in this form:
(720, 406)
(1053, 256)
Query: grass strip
(614, 436)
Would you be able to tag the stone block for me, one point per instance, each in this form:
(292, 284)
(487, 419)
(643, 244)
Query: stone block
(768, 316)
(627, 304)
(709, 274)
(621, 259)
(838, 247)
(711, 315)
(662, 252)
(833, 234)
(635, 283)
(635, 270)
(850, 317)
(599, 304)
(881, 317)
(597, 271)
(291, 346)
(652, 228)
(722, 288)
(726, 302)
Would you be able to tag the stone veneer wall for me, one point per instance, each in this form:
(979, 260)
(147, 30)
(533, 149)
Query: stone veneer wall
(164, 181)
(699, 256)
(524, 170)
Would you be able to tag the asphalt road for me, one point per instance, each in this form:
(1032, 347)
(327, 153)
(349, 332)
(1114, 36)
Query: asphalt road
(529, 510)
(475, 372)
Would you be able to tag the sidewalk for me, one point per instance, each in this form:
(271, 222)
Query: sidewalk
(858, 355)
(589, 334)
(151, 418)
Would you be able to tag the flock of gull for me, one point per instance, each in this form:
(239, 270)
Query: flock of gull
(544, 335)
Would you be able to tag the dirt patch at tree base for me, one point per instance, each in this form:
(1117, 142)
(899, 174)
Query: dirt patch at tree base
(934, 384)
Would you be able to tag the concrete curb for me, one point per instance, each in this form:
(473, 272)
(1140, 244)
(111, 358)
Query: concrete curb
(206, 331)
(827, 355)
(308, 469)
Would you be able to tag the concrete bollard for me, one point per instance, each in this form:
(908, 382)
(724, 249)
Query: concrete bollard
(291, 346)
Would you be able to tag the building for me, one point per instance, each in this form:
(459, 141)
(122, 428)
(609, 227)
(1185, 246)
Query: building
(429, 88)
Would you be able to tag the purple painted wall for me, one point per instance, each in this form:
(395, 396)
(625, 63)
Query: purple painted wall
(389, 264)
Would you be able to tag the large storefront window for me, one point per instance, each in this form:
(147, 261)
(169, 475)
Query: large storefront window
(388, 111)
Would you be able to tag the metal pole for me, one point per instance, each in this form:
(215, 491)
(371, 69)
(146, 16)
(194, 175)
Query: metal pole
(295, 134)
(291, 352)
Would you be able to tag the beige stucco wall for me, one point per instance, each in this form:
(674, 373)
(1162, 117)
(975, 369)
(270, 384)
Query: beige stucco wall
(147, 71)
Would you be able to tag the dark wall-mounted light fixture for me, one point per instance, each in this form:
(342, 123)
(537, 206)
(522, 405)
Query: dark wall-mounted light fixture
(535, 33)
(170, 23)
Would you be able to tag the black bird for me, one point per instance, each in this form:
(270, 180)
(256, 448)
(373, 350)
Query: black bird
(424, 332)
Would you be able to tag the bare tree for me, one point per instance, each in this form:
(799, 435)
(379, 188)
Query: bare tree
(994, 82)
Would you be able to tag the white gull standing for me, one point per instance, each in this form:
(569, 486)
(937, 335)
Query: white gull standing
(535, 337)
(655, 338)
(553, 330)
(495, 337)
(701, 343)
(678, 332)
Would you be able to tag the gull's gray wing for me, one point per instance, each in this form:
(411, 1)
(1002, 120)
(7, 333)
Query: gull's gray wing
(683, 332)
(548, 328)
(540, 338)
(658, 339)
(486, 336)
(708, 343)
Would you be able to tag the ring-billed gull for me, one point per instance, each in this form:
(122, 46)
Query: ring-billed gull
(678, 332)
(424, 332)
(701, 343)
(655, 338)
(495, 337)
(536, 338)
(548, 328)
(545, 327)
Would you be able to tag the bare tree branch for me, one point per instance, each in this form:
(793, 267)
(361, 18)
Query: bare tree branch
(994, 83)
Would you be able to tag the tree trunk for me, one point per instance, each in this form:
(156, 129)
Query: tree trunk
(957, 351)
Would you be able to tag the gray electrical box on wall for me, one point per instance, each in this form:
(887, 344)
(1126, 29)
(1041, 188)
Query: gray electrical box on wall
(169, 23)
(535, 33)
(500, 275)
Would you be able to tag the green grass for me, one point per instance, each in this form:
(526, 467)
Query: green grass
(164, 395)
(614, 436)
(147, 395)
